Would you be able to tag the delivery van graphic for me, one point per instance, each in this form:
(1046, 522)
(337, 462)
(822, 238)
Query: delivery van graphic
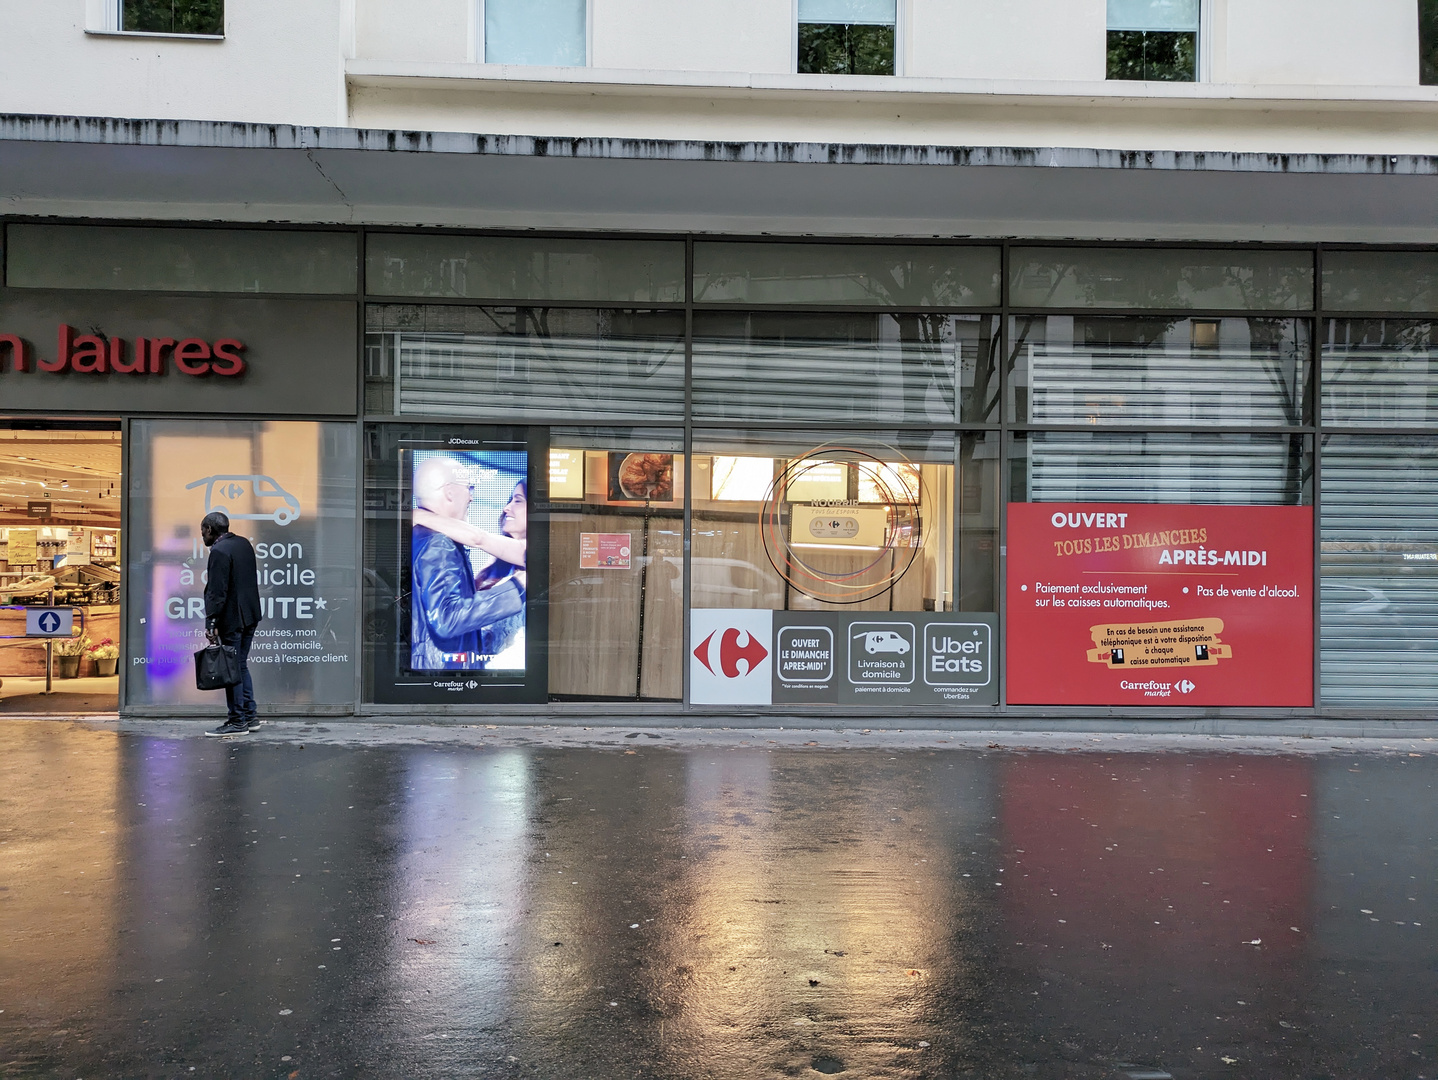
(220, 490)
(883, 641)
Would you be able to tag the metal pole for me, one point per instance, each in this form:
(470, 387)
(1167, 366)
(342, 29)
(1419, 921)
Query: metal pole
(50, 654)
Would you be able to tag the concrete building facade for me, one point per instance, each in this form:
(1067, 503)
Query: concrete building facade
(798, 324)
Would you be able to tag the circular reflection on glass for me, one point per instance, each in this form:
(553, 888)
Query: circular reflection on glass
(842, 523)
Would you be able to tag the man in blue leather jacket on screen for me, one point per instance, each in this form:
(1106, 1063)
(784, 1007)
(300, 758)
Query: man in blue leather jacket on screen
(447, 611)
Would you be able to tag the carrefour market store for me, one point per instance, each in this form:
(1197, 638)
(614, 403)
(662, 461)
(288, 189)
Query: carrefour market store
(643, 432)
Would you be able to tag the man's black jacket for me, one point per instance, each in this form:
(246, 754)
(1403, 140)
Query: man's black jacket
(232, 588)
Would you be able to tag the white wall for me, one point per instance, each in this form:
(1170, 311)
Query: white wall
(281, 62)
(1326, 42)
(1012, 39)
(693, 35)
(433, 30)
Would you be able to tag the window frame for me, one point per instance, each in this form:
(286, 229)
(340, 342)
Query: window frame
(477, 13)
(901, 22)
(106, 18)
(1203, 51)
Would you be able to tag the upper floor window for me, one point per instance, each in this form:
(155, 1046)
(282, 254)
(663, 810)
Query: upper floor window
(1428, 42)
(1153, 40)
(552, 33)
(199, 17)
(846, 37)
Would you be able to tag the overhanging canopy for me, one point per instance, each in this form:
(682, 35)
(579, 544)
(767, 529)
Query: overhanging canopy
(138, 169)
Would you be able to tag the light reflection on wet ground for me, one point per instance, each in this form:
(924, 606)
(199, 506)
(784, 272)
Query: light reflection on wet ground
(177, 908)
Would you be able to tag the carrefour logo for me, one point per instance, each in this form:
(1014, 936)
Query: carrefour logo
(734, 647)
(733, 662)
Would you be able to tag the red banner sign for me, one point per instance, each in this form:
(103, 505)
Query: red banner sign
(1142, 604)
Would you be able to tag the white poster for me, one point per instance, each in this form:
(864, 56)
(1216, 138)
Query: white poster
(731, 661)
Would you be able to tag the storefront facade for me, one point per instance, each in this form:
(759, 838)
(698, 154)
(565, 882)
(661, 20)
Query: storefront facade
(701, 474)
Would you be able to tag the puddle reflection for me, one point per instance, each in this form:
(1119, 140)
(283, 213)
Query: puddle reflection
(258, 908)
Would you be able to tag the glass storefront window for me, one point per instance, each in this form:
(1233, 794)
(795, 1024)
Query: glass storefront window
(525, 268)
(1380, 280)
(1380, 371)
(616, 563)
(1161, 467)
(1379, 561)
(1077, 369)
(180, 260)
(878, 275)
(867, 521)
(288, 486)
(508, 363)
(1180, 279)
(834, 367)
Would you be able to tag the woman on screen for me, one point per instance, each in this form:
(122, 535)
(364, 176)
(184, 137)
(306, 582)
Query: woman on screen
(503, 640)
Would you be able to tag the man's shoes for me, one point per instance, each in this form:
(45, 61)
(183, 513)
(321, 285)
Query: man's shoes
(231, 727)
(254, 724)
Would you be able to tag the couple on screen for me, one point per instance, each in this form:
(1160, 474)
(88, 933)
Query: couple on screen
(461, 621)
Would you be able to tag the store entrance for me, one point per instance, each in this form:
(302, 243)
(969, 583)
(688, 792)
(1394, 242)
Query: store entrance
(60, 546)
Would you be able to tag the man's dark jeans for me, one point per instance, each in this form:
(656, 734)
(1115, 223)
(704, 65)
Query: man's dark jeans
(241, 697)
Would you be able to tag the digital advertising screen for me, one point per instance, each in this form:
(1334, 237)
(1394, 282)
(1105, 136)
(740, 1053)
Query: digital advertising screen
(468, 563)
(456, 560)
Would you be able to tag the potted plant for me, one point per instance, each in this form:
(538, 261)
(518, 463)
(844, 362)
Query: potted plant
(69, 653)
(106, 656)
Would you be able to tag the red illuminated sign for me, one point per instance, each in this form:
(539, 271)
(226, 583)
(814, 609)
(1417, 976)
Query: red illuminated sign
(1139, 604)
(94, 354)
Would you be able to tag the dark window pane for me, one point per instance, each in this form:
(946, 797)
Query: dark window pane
(882, 275)
(1380, 280)
(1162, 467)
(1244, 280)
(1381, 372)
(174, 16)
(1380, 578)
(180, 260)
(1113, 370)
(524, 361)
(1153, 55)
(772, 366)
(1428, 42)
(845, 49)
(524, 268)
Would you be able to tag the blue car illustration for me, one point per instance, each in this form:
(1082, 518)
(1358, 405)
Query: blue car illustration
(220, 489)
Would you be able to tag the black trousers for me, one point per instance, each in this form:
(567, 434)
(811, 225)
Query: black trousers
(240, 698)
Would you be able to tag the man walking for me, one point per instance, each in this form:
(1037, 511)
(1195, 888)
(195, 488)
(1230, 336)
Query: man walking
(232, 611)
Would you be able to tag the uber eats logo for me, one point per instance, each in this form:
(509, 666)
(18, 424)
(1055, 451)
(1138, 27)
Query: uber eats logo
(957, 654)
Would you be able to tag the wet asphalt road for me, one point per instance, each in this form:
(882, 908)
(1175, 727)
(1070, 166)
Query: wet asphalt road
(265, 908)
